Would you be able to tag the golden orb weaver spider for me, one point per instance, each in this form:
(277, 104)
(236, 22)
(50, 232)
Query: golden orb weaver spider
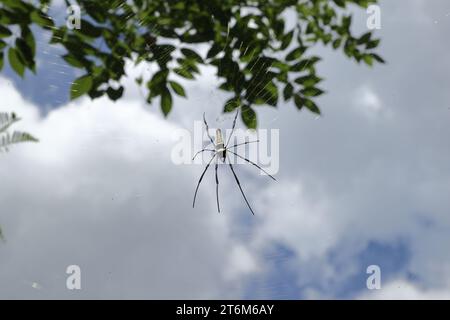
(222, 150)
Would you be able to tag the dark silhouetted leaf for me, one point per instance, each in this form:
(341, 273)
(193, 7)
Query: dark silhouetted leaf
(4, 32)
(114, 94)
(288, 91)
(248, 116)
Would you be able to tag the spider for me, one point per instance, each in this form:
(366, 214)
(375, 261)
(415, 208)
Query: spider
(221, 151)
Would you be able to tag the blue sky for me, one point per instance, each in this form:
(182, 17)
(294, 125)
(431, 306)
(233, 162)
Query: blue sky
(365, 184)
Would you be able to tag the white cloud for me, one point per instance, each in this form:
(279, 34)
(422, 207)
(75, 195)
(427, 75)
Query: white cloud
(369, 104)
(404, 290)
(347, 181)
(288, 216)
(99, 190)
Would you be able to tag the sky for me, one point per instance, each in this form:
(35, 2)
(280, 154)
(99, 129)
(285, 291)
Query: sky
(366, 183)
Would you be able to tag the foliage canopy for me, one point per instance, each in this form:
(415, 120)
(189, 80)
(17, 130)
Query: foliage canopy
(258, 60)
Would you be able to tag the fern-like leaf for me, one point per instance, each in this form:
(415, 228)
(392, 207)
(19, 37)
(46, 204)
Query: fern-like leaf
(6, 139)
(6, 120)
(17, 137)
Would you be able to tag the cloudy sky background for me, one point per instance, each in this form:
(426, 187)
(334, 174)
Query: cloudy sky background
(366, 183)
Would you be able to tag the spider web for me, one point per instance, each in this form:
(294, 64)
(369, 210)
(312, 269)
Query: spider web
(60, 75)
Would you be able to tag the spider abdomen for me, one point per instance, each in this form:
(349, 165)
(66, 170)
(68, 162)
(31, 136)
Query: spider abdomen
(220, 146)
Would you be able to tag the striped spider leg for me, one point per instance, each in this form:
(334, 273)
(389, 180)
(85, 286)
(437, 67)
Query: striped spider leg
(221, 151)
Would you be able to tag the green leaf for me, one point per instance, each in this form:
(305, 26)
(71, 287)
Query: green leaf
(189, 65)
(164, 21)
(378, 58)
(42, 19)
(248, 116)
(299, 101)
(372, 44)
(1, 60)
(303, 64)
(166, 102)
(114, 94)
(159, 78)
(308, 81)
(295, 54)
(88, 29)
(188, 53)
(73, 61)
(288, 91)
(16, 61)
(337, 43)
(365, 38)
(340, 3)
(368, 59)
(177, 88)
(25, 52)
(346, 22)
(184, 73)
(232, 104)
(286, 40)
(312, 92)
(4, 32)
(213, 51)
(270, 94)
(80, 86)
(312, 106)
(28, 37)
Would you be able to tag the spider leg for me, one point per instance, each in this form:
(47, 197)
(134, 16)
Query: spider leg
(207, 128)
(201, 177)
(240, 188)
(252, 164)
(244, 143)
(232, 129)
(202, 151)
(217, 188)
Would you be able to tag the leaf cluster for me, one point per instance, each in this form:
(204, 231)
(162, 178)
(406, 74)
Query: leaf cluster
(258, 59)
(7, 139)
